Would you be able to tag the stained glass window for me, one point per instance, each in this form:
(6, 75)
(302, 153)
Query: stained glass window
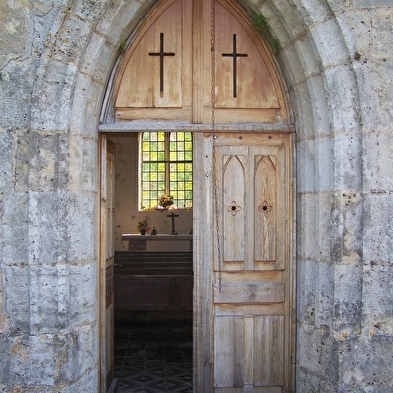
(166, 168)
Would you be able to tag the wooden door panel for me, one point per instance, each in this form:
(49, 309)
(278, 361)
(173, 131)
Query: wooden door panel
(107, 239)
(245, 356)
(265, 215)
(233, 198)
(268, 356)
(166, 73)
(256, 214)
(228, 352)
(251, 300)
(250, 287)
(151, 80)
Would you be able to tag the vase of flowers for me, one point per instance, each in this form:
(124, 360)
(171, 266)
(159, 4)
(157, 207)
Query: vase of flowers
(165, 201)
(143, 226)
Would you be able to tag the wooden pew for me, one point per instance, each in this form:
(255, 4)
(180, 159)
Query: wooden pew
(153, 280)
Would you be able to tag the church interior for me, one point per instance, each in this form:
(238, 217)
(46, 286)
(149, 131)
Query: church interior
(153, 286)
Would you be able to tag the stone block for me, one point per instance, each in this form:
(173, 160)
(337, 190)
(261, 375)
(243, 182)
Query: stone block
(52, 96)
(377, 159)
(317, 353)
(6, 161)
(303, 111)
(67, 44)
(378, 227)
(22, 159)
(16, 293)
(16, 83)
(48, 232)
(88, 96)
(346, 228)
(366, 364)
(121, 18)
(14, 220)
(48, 161)
(14, 19)
(62, 227)
(90, 11)
(82, 164)
(98, 59)
(375, 91)
(310, 61)
(342, 98)
(82, 289)
(81, 226)
(348, 280)
(324, 167)
(306, 162)
(295, 74)
(328, 39)
(347, 160)
(378, 299)
(59, 360)
(293, 22)
(306, 224)
(319, 121)
(355, 27)
(314, 11)
(49, 299)
(316, 296)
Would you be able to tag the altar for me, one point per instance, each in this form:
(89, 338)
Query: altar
(137, 242)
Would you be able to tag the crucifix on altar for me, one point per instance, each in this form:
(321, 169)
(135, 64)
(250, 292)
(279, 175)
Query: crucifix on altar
(173, 215)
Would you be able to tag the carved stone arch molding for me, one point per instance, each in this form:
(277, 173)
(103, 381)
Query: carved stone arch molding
(165, 73)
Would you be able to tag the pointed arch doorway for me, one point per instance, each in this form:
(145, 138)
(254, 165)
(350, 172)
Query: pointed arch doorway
(243, 269)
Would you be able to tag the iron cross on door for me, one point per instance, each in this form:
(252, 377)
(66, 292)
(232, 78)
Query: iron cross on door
(234, 55)
(161, 53)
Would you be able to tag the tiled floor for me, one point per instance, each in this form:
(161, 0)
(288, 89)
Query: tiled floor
(153, 352)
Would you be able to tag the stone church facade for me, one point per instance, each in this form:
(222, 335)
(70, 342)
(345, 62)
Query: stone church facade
(56, 60)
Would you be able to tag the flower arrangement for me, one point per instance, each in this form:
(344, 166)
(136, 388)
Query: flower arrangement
(165, 201)
(143, 225)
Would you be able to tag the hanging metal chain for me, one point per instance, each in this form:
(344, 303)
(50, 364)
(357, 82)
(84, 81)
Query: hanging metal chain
(213, 61)
(213, 88)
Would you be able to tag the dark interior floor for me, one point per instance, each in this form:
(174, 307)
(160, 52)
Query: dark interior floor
(153, 351)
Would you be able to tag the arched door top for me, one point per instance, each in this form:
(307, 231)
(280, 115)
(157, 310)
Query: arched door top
(167, 72)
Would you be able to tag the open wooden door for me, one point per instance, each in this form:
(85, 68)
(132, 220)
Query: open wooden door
(106, 271)
(250, 332)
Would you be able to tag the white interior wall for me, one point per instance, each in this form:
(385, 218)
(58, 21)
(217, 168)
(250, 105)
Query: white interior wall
(127, 213)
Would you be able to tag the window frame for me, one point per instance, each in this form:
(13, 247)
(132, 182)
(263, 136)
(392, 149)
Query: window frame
(168, 162)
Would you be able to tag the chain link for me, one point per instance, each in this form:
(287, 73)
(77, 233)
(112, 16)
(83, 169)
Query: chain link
(213, 92)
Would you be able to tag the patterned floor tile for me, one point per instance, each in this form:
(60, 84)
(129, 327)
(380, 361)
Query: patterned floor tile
(153, 353)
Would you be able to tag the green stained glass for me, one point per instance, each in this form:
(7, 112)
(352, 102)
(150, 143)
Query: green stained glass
(161, 166)
(153, 136)
(155, 180)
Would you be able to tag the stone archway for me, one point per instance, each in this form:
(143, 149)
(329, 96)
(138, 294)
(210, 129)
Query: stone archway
(251, 102)
(56, 63)
(310, 68)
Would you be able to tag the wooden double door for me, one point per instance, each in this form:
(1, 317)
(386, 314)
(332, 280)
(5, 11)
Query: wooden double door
(243, 275)
(173, 77)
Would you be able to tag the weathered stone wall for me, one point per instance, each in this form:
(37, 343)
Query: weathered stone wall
(55, 61)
